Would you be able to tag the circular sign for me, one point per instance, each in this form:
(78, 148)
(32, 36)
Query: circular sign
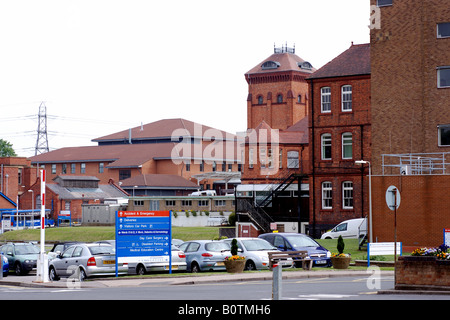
(393, 202)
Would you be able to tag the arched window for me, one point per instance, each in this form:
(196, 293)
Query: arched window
(260, 99)
(280, 98)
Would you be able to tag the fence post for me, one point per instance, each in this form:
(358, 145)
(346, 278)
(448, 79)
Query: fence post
(276, 282)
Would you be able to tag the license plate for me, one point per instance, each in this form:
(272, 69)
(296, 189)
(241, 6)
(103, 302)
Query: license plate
(109, 261)
(220, 264)
(173, 268)
(321, 261)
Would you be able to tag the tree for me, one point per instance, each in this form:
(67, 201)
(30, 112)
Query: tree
(6, 149)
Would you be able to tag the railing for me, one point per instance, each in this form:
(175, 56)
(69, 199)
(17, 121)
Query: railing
(416, 163)
(256, 214)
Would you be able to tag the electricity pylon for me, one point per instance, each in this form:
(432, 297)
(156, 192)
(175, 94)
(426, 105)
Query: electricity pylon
(42, 140)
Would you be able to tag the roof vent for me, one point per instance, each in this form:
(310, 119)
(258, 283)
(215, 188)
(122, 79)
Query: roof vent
(305, 65)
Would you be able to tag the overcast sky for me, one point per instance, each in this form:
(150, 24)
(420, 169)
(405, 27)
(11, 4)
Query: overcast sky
(102, 66)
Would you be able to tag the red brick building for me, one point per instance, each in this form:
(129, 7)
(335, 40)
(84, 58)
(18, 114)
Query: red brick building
(410, 91)
(339, 124)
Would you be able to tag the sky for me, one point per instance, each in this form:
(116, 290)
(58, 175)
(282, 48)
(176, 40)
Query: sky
(103, 66)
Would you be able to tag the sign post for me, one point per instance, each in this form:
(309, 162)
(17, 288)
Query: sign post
(42, 263)
(393, 202)
(143, 236)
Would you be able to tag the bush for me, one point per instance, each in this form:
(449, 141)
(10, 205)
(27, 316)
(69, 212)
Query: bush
(340, 245)
(234, 247)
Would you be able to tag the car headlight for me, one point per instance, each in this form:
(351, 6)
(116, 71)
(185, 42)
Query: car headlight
(328, 254)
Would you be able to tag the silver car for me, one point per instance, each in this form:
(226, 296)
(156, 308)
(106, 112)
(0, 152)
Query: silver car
(159, 263)
(86, 260)
(256, 253)
(202, 255)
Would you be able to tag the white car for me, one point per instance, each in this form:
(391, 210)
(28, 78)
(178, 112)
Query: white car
(256, 253)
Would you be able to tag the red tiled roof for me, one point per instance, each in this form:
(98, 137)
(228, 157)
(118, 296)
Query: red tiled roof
(353, 61)
(165, 128)
(287, 61)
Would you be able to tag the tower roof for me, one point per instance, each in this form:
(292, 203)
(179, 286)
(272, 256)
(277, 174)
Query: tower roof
(283, 59)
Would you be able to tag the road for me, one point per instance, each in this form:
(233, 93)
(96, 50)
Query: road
(334, 288)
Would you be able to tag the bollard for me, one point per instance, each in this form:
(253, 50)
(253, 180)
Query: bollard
(276, 282)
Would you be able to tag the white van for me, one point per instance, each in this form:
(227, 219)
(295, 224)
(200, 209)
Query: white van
(204, 193)
(352, 228)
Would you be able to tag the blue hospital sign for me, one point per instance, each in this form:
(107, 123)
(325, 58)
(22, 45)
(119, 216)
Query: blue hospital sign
(143, 236)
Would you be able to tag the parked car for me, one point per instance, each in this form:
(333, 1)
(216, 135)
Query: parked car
(353, 228)
(159, 264)
(5, 265)
(297, 242)
(256, 253)
(177, 242)
(202, 255)
(58, 248)
(22, 257)
(86, 260)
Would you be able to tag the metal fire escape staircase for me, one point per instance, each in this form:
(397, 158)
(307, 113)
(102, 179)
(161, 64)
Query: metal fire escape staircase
(256, 210)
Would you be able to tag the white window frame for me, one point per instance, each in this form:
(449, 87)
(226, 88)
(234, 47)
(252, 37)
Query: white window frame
(440, 127)
(325, 142)
(327, 195)
(347, 140)
(262, 157)
(438, 35)
(347, 195)
(250, 158)
(439, 70)
(346, 98)
(292, 159)
(325, 99)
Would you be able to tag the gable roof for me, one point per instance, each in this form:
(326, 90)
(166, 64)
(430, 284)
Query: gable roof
(159, 181)
(353, 61)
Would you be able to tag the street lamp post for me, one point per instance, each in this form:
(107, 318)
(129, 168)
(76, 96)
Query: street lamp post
(370, 198)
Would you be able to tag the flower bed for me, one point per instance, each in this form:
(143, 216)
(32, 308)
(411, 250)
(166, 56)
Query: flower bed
(426, 268)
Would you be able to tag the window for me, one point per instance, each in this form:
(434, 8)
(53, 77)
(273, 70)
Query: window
(101, 167)
(280, 98)
(124, 174)
(219, 203)
(202, 166)
(325, 97)
(170, 203)
(444, 135)
(250, 158)
(346, 98)
(53, 168)
(443, 77)
(383, 3)
(186, 203)
(64, 168)
(347, 142)
(262, 157)
(347, 195)
(188, 166)
(292, 160)
(299, 98)
(326, 146)
(270, 158)
(443, 30)
(270, 65)
(260, 100)
(83, 168)
(327, 195)
(73, 168)
(214, 166)
(203, 203)
(280, 158)
(138, 203)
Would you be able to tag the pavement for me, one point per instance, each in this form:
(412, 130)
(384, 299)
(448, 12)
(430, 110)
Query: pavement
(127, 281)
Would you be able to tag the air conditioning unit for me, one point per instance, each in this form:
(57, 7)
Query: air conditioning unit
(405, 170)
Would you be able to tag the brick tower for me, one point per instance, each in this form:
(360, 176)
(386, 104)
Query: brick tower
(277, 90)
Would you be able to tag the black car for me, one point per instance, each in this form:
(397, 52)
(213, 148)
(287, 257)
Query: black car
(286, 241)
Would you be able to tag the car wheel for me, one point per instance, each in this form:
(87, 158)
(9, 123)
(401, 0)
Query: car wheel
(250, 265)
(81, 275)
(18, 269)
(52, 276)
(195, 267)
(140, 270)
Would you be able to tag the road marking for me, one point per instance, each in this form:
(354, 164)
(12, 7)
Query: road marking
(325, 296)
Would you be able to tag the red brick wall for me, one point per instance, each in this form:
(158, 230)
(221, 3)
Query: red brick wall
(407, 106)
(421, 272)
(338, 170)
(423, 212)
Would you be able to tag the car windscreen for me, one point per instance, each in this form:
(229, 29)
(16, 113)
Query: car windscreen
(102, 250)
(256, 245)
(27, 249)
(300, 241)
(217, 246)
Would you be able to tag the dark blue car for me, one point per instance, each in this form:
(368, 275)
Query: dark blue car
(297, 242)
